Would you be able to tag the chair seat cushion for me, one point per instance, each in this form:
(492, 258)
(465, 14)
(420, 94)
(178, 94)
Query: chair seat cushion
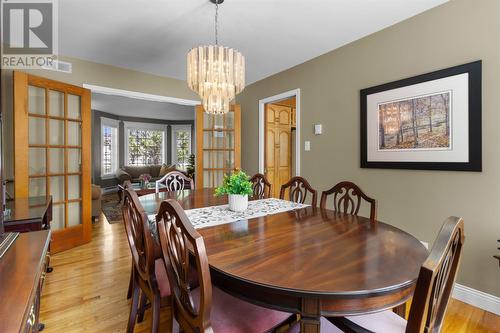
(162, 278)
(326, 327)
(385, 321)
(232, 315)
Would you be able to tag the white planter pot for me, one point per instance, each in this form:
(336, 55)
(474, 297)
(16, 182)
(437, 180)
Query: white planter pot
(238, 202)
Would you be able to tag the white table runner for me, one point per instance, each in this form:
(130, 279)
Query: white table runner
(217, 215)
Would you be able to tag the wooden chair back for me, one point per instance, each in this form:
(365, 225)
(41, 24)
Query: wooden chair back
(436, 279)
(347, 198)
(138, 234)
(175, 181)
(261, 186)
(298, 188)
(177, 238)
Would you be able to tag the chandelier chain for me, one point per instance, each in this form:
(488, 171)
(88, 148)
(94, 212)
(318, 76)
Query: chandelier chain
(215, 72)
(216, 22)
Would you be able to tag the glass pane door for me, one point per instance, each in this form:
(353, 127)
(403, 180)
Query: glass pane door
(54, 160)
(52, 155)
(217, 146)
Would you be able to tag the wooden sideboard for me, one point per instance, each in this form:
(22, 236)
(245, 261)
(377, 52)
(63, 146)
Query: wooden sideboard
(22, 273)
(28, 214)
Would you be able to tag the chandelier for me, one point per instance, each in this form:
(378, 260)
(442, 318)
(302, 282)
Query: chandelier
(216, 73)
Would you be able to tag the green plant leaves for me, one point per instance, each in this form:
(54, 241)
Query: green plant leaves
(236, 183)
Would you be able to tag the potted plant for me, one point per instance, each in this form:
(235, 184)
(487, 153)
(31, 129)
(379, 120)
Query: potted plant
(145, 178)
(190, 166)
(238, 187)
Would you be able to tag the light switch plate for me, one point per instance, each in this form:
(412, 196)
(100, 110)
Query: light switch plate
(318, 129)
(307, 145)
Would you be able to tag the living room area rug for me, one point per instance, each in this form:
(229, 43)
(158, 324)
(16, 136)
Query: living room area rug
(111, 208)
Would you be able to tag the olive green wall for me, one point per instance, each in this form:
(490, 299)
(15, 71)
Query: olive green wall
(417, 201)
(89, 73)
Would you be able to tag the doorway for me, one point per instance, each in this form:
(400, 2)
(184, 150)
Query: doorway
(279, 138)
(134, 130)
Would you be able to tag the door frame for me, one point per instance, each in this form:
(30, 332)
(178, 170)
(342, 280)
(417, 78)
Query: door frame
(262, 108)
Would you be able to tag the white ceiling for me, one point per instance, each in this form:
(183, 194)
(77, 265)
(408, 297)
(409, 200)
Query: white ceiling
(154, 36)
(133, 107)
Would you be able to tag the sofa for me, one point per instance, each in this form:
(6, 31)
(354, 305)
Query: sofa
(96, 202)
(133, 172)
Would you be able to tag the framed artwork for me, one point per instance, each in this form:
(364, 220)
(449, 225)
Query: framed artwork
(427, 122)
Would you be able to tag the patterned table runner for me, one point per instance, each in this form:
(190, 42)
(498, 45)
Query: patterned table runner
(216, 215)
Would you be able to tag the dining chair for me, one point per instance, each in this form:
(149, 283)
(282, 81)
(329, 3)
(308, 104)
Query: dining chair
(205, 308)
(149, 278)
(347, 198)
(174, 181)
(261, 186)
(121, 194)
(432, 291)
(298, 188)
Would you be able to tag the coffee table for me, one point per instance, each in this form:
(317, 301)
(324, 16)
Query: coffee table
(142, 190)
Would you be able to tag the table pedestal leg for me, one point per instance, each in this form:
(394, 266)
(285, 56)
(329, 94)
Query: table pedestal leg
(311, 315)
(310, 325)
(120, 194)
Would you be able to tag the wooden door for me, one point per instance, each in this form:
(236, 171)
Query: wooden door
(52, 138)
(278, 138)
(218, 145)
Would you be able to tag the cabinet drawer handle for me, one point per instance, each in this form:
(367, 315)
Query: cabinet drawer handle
(32, 316)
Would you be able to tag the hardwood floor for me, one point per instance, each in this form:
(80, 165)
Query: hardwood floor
(87, 290)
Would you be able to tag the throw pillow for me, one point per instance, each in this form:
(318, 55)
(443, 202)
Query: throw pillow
(166, 169)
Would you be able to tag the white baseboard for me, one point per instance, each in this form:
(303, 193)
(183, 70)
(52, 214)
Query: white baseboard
(477, 298)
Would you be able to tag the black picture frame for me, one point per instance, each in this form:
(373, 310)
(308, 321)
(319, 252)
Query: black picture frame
(474, 69)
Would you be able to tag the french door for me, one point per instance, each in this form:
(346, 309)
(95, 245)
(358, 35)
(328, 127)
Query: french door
(218, 145)
(52, 153)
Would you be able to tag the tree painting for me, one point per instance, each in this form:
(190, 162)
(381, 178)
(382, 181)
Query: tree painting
(415, 123)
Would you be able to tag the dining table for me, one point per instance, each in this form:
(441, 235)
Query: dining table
(310, 261)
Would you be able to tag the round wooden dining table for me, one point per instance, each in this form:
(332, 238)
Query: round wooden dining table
(310, 261)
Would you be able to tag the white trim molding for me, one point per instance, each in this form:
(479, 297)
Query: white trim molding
(275, 98)
(139, 95)
(115, 124)
(477, 298)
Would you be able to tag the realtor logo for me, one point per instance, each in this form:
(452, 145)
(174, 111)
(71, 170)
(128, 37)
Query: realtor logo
(29, 33)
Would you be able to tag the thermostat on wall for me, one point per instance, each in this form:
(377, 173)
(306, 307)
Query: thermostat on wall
(318, 129)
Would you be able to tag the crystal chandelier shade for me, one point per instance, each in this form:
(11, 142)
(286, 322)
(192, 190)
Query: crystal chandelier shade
(216, 73)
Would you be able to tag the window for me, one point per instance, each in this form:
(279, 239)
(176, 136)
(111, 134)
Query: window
(145, 144)
(181, 144)
(109, 146)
